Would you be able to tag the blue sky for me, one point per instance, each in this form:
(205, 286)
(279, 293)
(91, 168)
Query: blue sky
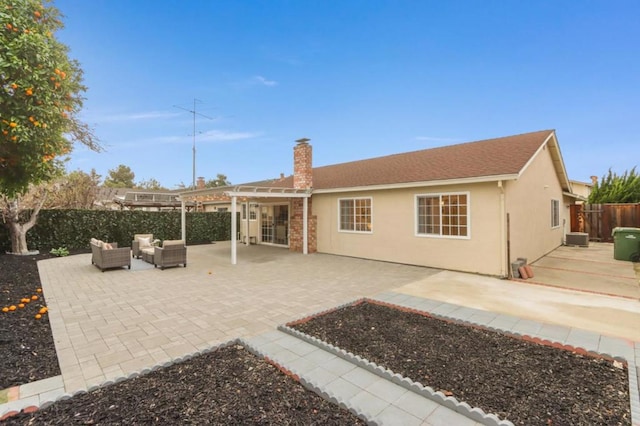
(359, 78)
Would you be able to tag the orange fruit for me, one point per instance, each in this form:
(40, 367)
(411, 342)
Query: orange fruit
(13, 125)
(43, 310)
(21, 305)
(14, 86)
(29, 92)
(34, 297)
(36, 14)
(12, 307)
(38, 316)
(5, 309)
(39, 290)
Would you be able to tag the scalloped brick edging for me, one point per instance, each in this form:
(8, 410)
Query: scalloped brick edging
(474, 413)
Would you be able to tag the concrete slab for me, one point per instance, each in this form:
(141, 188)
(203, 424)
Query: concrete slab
(590, 269)
(608, 315)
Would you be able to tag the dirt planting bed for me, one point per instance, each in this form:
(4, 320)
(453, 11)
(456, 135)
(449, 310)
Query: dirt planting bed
(228, 386)
(518, 380)
(27, 352)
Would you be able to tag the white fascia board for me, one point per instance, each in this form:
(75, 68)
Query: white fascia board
(462, 181)
(251, 194)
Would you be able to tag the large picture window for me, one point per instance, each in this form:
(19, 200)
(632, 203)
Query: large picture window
(355, 214)
(555, 213)
(443, 215)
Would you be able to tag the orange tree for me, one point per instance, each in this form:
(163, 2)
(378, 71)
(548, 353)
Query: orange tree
(40, 97)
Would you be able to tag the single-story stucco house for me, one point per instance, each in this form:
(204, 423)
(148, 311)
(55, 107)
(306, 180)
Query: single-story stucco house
(473, 207)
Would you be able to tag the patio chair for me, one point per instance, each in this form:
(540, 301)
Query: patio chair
(172, 253)
(139, 242)
(109, 255)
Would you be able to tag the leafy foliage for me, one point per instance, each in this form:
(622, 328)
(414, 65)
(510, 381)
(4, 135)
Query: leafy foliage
(151, 184)
(120, 177)
(220, 180)
(74, 228)
(617, 189)
(76, 190)
(40, 97)
(60, 252)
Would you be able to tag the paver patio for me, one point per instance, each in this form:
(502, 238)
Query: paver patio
(107, 325)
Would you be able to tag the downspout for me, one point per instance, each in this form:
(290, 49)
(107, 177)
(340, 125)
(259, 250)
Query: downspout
(503, 233)
(234, 236)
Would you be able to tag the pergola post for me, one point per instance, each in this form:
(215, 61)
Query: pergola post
(305, 225)
(234, 226)
(183, 220)
(246, 226)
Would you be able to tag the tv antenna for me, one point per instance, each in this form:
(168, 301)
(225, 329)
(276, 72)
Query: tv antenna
(194, 113)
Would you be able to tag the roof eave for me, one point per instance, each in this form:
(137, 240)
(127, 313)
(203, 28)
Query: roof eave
(444, 182)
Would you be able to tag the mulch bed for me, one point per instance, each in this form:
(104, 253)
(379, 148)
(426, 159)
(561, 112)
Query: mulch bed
(517, 380)
(27, 352)
(228, 386)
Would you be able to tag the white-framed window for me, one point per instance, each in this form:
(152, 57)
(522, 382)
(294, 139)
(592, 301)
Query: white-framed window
(253, 211)
(354, 215)
(443, 215)
(555, 213)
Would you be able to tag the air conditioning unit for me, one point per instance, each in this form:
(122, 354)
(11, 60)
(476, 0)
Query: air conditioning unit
(580, 239)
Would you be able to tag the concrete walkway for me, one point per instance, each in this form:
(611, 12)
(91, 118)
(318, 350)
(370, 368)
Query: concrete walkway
(112, 324)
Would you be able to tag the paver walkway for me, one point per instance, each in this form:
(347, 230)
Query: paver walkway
(108, 325)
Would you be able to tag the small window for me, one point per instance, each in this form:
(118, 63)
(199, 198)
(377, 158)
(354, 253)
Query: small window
(555, 213)
(355, 214)
(443, 215)
(244, 211)
(253, 211)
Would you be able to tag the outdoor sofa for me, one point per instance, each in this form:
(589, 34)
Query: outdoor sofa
(172, 253)
(109, 255)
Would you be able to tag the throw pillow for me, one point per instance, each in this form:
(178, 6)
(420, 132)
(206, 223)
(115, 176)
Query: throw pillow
(144, 242)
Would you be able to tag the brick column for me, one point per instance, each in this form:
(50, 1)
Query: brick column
(302, 179)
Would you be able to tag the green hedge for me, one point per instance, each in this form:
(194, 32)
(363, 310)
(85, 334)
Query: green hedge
(74, 228)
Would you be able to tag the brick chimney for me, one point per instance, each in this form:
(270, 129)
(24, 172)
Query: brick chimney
(302, 165)
(200, 183)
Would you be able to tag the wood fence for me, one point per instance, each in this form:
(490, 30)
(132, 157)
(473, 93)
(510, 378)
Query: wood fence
(598, 220)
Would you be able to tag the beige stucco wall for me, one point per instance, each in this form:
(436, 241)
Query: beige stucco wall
(528, 202)
(394, 238)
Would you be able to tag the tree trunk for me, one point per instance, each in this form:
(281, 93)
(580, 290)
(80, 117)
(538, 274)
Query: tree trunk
(18, 231)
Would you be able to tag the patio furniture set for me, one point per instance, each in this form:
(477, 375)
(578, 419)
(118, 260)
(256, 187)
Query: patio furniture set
(107, 255)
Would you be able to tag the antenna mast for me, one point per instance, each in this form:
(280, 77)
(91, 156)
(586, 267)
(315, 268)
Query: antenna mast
(194, 113)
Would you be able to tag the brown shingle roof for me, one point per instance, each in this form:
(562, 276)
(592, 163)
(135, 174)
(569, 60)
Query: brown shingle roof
(490, 157)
